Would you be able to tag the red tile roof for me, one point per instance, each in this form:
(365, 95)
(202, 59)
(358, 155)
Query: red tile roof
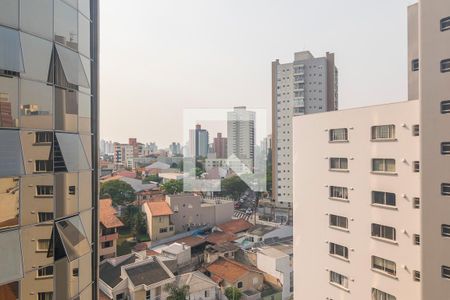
(128, 174)
(229, 270)
(235, 226)
(191, 241)
(220, 237)
(159, 208)
(108, 213)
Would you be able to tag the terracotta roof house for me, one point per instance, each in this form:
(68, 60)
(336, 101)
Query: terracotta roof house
(109, 224)
(235, 226)
(218, 237)
(159, 225)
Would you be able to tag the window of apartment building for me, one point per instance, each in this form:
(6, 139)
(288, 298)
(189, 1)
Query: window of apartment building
(445, 65)
(120, 296)
(207, 294)
(43, 137)
(416, 202)
(72, 190)
(338, 192)
(148, 295)
(416, 275)
(445, 272)
(338, 221)
(338, 279)
(43, 166)
(383, 132)
(416, 166)
(45, 272)
(380, 295)
(416, 130)
(45, 296)
(445, 24)
(75, 272)
(415, 65)
(338, 163)
(382, 231)
(45, 216)
(445, 107)
(43, 245)
(445, 189)
(240, 284)
(339, 134)
(338, 250)
(445, 230)
(162, 230)
(44, 190)
(445, 148)
(383, 198)
(416, 239)
(107, 244)
(384, 165)
(384, 265)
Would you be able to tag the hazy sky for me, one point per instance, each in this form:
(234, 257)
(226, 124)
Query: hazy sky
(159, 57)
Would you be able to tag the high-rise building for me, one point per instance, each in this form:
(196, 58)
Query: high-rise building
(175, 149)
(198, 142)
(372, 184)
(305, 86)
(48, 149)
(241, 135)
(220, 146)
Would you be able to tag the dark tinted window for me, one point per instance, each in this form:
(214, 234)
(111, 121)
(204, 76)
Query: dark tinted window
(445, 65)
(10, 154)
(445, 24)
(415, 65)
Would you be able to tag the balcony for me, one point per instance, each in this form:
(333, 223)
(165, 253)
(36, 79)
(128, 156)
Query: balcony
(109, 237)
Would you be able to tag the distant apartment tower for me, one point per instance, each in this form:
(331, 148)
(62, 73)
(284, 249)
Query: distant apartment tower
(241, 135)
(175, 149)
(198, 142)
(48, 150)
(122, 153)
(305, 86)
(372, 184)
(220, 146)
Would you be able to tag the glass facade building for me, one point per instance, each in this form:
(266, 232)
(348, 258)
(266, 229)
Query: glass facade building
(48, 149)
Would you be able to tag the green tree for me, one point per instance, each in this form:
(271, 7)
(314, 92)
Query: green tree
(134, 219)
(154, 178)
(233, 187)
(233, 293)
(172, 187)
(175, 292)
(120, 192)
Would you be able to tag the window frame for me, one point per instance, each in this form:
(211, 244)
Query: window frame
(385, 197)
(48, 189)
(384, 266)
(416, 130)
(49, 214)
(445, 230)
(376, 135)
(445, 107)
(338, 279)
(380, 295)
(445, 272)
(382, 232)
(38, 245)
(384, 165)
(445, 65)
(334, 192)
(43, 272)
(341, 161)
(416, 166)
(445, 148)
(415, 65)
(339, 221)
(445, 189)
(445, 24)
(333, 250)
(336, 136)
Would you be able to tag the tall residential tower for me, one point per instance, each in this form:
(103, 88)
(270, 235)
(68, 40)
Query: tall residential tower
(48, 149)
(241, 135)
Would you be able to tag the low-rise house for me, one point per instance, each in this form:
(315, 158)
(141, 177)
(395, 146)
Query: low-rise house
(158, 215)
(201, 287)
(175, 251)
(213, 252)
(261, 233)
(237, 227)
(156, 168)
(170, 176)
(109, 225)
(197, 244)
(227, 272)
(218, 237)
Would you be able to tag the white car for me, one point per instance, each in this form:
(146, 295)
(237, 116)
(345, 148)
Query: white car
(249, 211)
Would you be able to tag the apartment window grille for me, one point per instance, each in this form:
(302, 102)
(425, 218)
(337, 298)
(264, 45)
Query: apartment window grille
(338, 134)
(338, 163)
(383, 198)
(445, 189)
(44, 190)
(445, 271)
(416, 275)
(45, 296)
(338, 279)
(416, 202)
(416, 130)
(383, 132)
(338, 221)
(445, 230)
(445, 148)
(445, 24)
(416, 239)
(45, 271)
(382, 231)
(384, 265)
(338, 250)
(415, 65)
(338, 192)
(45, 216)
(416, 166)
(43, 137)
(445, 107)
(380, 295)
(385, 165)
(445, 65)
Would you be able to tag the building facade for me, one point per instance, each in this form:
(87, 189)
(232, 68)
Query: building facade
(373, 220)
(198, 142)
(241, 135)
(305, 86)
(220, 146)
(48, 149)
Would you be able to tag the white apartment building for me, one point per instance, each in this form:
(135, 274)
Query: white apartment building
(241, 135)
(372, 184)
(305, 86)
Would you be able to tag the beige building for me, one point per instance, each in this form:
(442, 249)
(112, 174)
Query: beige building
(373, 222)
(159, 225)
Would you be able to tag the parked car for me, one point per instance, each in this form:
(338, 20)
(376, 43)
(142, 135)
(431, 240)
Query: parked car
(249, 211)
(237, 205)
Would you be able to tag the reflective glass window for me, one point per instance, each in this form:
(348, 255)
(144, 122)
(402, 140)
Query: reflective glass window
(9, 291)
(37, 17)
(10, 154)
(84, 30)
(37, 56)
(86, 141)
(9, 102)
(86, 219)
(36, 105)
(9, 12)
(87, 68)
(36, 245)
(66, 110)
(72, 152)
(72, 66)
(66, 25)
(37, 198)
(10, 50)
(73, 237)
(66, 193)
(11, 256)
(84, 113)
(9, 201)
(84, 6)
(38, 156)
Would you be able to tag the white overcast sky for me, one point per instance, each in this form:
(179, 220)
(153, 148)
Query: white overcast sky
(158, 57)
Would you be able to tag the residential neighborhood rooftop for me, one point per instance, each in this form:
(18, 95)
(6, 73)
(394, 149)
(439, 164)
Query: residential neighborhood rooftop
(235, 226)
(159, 208)
(148, 273)
(229, 270)
(107, 214)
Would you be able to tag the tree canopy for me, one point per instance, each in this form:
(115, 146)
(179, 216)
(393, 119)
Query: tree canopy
(233, 293)
(154, 178)
(175, 292)
(172, 187)
(119, 191)
(233, 187)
